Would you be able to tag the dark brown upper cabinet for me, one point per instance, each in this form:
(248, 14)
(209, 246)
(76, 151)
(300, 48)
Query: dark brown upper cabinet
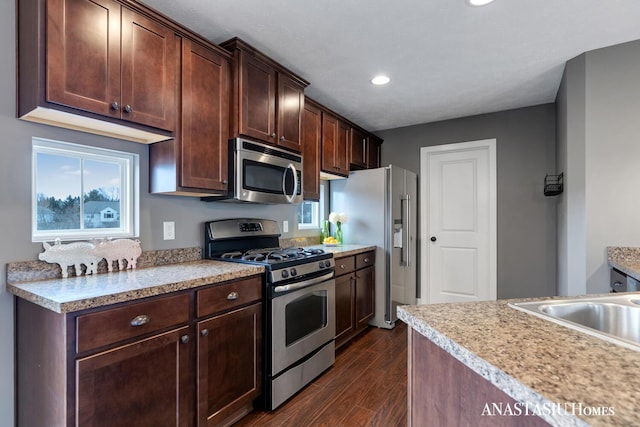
(311, 150)
(195, 162)
(335, 136)
(374, 145)
(268, 99)
(358, 140)
(112, 67)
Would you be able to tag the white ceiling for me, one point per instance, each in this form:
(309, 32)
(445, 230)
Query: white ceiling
(445, 59)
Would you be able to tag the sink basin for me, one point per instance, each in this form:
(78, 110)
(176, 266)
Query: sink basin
(613, 318)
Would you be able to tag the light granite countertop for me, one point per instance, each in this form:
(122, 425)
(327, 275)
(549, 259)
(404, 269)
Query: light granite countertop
(345, 250)
(81, 292)
(535, 361)
(625, 259)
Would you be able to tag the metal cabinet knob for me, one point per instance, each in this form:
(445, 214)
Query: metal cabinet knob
(204, 332)
(140, 320)
(273, 135)
(232, 296)
(433, 238)
(342, 266)
(282, 138)
(184, 339)
(127, 108)
(366, 260)
(115, 106)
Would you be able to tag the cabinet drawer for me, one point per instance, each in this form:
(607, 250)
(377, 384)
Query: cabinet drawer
(345, 265)
(365, 260)
(109, 326)
(228, 296)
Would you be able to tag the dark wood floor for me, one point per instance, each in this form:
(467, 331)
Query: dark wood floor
(367, 386)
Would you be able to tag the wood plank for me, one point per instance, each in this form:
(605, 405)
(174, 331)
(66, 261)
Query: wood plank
(366, 386)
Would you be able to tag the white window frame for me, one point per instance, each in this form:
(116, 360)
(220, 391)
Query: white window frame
(318, 214)
(129, 190)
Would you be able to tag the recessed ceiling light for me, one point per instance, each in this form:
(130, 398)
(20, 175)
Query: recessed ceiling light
(380, 80)
(478, 2)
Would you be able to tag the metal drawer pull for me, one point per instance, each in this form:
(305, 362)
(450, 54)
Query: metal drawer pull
(184, 339)
(342, 266)
(143, 319)
(232, 296)
(204, 332)
(366, 260)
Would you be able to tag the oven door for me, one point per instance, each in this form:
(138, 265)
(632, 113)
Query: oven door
(266, 174)
(302, 321)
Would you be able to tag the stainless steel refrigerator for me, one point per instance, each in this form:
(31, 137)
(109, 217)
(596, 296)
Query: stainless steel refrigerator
(381, 205)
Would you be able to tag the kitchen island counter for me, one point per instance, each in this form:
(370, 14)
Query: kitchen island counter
(534, 361)
(97, 290)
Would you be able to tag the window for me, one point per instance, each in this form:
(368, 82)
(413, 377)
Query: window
(311, 214)
(81, 192)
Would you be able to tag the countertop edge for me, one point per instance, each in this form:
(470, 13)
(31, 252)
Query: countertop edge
(503, 381)
(346, 250)
(131, 295)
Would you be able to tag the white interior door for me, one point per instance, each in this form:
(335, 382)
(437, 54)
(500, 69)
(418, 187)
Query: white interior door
(458, 222)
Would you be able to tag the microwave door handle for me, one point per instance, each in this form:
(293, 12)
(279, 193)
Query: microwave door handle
(295, 183)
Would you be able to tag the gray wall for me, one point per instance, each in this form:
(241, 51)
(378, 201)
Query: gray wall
(598, 131)
(15, 202)
(570, 127)
(526, 151)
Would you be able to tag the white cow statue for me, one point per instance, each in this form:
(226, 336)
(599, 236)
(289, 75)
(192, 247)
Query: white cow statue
(118, 250)
(71, 254)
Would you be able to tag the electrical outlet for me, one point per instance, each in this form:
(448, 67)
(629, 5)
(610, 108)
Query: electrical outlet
(169, 230)
(285, 226)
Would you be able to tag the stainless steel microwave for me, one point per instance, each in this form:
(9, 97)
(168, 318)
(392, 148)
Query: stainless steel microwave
(261, 173)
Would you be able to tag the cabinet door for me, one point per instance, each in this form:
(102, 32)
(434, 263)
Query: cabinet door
(144, 384)
(83, 54)
(334, 145)
(342, 151)
(229, 363)
(365, 296)
(290, 107)
(373, 152)
(329, 142)
(357, 147)
(311, 151)
(257, 99)
(205, 115)
(345, 301)
(148, 71)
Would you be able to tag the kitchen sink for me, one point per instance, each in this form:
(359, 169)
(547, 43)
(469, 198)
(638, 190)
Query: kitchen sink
(613, 318)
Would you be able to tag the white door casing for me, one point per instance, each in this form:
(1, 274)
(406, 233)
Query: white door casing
(459, 211)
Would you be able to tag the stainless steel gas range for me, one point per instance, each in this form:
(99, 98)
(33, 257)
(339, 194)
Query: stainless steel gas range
(299, 302)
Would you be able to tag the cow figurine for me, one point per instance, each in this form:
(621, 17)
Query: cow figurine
(118, 250)
(75, 254)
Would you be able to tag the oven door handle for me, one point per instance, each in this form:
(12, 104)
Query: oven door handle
(295, 183)
(303, 284)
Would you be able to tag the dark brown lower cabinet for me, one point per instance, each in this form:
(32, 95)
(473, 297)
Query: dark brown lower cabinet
(355, 295)
(141, 384)
(443, 392)
(140, 363)
(229, 367)
(345, 302)
(365, 297)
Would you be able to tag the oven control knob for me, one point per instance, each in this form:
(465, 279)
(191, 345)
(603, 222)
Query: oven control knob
(285, 274)
(327, 263)
(293, 272)
(321, 264)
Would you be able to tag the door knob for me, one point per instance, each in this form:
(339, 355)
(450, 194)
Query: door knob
(433, 238)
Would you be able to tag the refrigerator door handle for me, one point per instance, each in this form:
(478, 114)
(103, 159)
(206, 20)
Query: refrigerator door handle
(404, 220)
(408, 229)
